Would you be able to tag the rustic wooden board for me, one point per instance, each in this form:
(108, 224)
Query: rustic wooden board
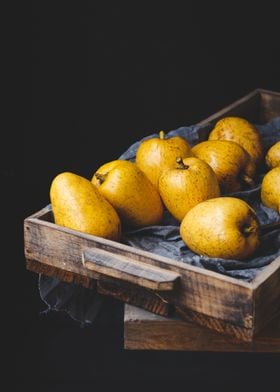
(209, 298)
(127, 270)
(146, 331)
(152, 301)
(258, 106)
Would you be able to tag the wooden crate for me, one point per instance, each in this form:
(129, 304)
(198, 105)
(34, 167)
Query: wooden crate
(159, 284)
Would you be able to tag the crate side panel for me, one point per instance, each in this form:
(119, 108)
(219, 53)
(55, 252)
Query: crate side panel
(269, 105)
(198, 291)
(247, 107)
(216, 298)
(267, 301)
(55, 248)
(146, 331)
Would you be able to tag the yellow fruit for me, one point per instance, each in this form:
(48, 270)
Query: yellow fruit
(230, 162)
(104, 170)
(272, 157)
(242, 132)
(224, 227)
(270, 189)
(190, 183)
(159, 154)
(134, 197)
(78, 205)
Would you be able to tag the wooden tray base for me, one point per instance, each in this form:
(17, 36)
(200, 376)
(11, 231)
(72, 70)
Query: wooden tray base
(147, 331)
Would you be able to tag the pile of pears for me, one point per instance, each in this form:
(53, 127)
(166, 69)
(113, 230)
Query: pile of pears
(192, 183)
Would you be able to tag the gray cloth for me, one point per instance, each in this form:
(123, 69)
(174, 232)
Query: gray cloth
(165, 239)
(83, 304)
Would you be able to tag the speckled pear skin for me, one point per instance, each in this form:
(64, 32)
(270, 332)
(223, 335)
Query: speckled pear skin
(224, 227)
(78, 205)
(272, 158)
(158, 154)
(270, 189)
(241, 131)
(131, 193)
(190, 183)
(104, 169)
(230, 162)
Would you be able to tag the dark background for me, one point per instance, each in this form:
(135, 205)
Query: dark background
(84, 82)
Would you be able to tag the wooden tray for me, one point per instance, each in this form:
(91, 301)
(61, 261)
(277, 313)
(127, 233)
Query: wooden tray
(159, 284)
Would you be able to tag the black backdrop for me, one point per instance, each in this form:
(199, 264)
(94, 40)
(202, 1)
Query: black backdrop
(87, 80)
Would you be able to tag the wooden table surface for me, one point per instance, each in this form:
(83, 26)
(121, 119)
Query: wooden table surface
(147, 331)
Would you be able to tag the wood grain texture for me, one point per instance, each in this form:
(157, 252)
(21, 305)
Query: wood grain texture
(205, 297)
(146, 331)
(131, 294)
(149, 300)
(125, 269)
(59, 273)
(267, 295)
(218, 325)
(269, 105)
(200, 290)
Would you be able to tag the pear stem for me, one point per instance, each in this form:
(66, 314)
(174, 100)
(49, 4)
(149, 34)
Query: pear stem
(100, 177)
(248, 180)
(162, 135)
(181, 164)
(247, 230)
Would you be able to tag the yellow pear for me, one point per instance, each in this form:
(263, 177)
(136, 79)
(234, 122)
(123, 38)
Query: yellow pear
(78, 205)
(224, 227)
(104, 170)
(270, 189)
(272, 158)
(231, 163)
(190, 183)
(241, 131)
(158, 154)
(134, 197)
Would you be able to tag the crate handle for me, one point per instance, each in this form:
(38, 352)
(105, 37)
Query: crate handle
(124, 268)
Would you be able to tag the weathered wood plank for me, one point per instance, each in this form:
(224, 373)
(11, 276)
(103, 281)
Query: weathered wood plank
(219, 325)
(202, 291)
(146, 331)
(267, 295)
(269, 105)
(131, 294)
(149, 300)
(259, 106)
(62, 274)
(127, 270)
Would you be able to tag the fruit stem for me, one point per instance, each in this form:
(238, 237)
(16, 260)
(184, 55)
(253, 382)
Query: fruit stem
(162, 135)
(181, 164)
(247, 230)
(100, 177)
(248, 180)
